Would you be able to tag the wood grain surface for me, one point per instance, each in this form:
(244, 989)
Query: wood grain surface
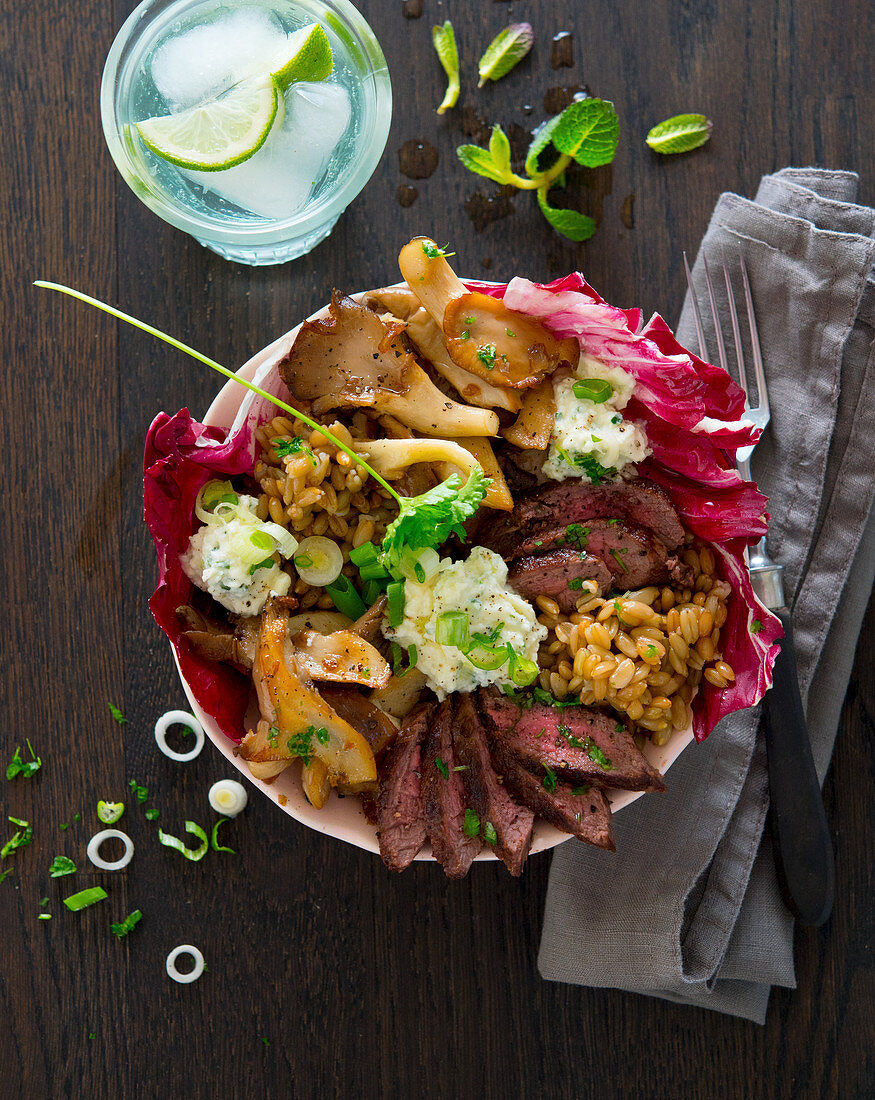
(328, 977)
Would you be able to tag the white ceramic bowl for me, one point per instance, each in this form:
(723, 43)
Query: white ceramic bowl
(343, 818)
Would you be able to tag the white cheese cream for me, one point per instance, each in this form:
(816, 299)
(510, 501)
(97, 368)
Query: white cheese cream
(478, 587)
(221, 554)
(586, 433)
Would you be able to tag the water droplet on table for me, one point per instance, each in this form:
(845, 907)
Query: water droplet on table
(406, 195)
(411, 9)
(417, 159)
(561, 52)
(627, 212)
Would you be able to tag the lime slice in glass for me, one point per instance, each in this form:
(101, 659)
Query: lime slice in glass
(224, 132)
(306, 55)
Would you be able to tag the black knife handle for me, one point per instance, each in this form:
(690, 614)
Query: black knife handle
(803, 846)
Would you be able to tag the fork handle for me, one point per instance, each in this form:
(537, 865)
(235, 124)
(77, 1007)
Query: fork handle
(802, 843)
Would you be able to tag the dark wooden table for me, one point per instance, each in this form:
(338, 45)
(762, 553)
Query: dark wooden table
(327, 976)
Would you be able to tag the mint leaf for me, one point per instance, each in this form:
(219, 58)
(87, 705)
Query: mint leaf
(505, 51)
(588, 130)
(499, 149)
(679, 134)
(540, 140)
(570, 223)
(482, 162)
(444, 39)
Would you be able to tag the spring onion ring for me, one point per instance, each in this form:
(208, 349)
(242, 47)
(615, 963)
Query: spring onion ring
(214, 838)
(228, 797)
(93, 849)
(179, 718)
(194, 854)
(84, 898)
(192, 976)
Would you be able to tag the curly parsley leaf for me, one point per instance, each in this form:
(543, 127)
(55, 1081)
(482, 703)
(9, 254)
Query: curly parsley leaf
(430, 518)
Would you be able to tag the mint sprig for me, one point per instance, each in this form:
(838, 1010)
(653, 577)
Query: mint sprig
(586, 133)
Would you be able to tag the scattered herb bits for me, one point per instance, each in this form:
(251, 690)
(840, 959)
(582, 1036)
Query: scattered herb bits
(62, 865)
(116, 713)
(505, 52)
(127, 925)
(22, 836)
(27, 768)
(193, 854)
(679, 134)
(472, 824)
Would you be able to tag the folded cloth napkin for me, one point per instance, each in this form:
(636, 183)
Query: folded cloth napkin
(688, 909)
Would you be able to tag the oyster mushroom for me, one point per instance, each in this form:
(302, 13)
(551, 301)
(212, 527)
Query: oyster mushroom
(483, 336)
(390, 457)
(304, 724)
(355, 359)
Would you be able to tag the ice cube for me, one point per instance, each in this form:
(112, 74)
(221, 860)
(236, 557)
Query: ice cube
(278, 180)
(200, 63)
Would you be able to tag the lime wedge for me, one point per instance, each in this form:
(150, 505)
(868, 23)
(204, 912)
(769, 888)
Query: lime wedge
(224, 132)
(306, 55)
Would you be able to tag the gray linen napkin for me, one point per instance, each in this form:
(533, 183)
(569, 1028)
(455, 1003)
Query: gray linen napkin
(689, 908)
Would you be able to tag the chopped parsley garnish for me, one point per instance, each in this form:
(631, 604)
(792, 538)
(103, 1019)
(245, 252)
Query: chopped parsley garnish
(617, 555)
(588, 746)
(542, 696)
(619, 728)
(465, 334)
(442, 767)
(580, 790)
(27, 768)
(301, 744)
(756, 626)
(62, 865)
(489, 833)
(142, 793)
(577, 535)
(469, 320)
(116, 713)
(616, 420)
(152, 815)
(472, 824)
(19, 839)
(509, 333)
(575, 584)
(5, 874)
(286, 447)
(613, 522)
(652, 651)
(593, 468)
(127, 925)
(432, 251)
(486, 355)
(549, 779)
(539, 542)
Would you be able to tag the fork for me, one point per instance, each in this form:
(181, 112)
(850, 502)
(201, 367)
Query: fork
(800, 834)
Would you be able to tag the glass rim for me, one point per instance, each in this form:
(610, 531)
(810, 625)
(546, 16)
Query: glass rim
(314, 215)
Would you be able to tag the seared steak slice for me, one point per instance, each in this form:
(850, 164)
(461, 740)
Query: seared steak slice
(586, 815)
(400, 816)
(573, 741)
(486, 795)
(638, 502)
(445, 800)
(554, 573)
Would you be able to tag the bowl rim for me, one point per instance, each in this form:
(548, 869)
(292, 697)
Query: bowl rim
(346, 820)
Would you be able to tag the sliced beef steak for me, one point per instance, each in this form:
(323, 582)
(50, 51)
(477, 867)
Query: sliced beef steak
(556, 505)
(574, 742)
(401, 809)
(586, 815)
(556, 574)
(445, 800)
(486, 795)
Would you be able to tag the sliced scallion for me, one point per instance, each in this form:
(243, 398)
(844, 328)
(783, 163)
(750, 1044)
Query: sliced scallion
(347, 601)
(194, 854)
(395, 603)
(214, 838)
(85, 898)
(596, 390)
(487, 657)
(451, 628)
